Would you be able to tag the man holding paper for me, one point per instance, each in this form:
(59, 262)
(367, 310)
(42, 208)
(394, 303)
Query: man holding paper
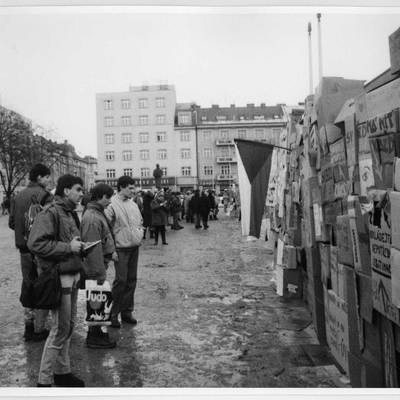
(95, 231)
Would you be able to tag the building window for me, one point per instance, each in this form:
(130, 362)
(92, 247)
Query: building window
(184, 118)
(160, 102)
(207, 152)
(259, 117)
(109, 138)
(225, 169)
(127, 155)
(110, 156)
(185, 136)
(144, 172)
(259, 134)
(160, 119)
(128, 172)
(127, 138)
(143, 137)
(225, 152)
(276, 131)
(125, 104)
(161, 136)
(161, 154)
(109, 121)
(242, 133)
(108, 104)
(126, 120)
(143, 120)
(224, 134)
(144, 154)
(185, 154)
(110, 173)
(208, 170)
(164, 171)
(221, 117)
(207, 135)
(186, 171)
(143, 103)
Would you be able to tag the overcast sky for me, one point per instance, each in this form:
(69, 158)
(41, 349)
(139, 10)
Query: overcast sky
(54, 62)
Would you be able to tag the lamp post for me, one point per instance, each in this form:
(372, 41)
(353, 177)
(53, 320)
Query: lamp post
(197, 144)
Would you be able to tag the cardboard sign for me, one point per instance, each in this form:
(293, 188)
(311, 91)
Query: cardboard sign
(366, 175)
(396, 174)
(337, 328)
(351, 140)
(395, 218)
(383, 124)
(363, 142)
(345, 249)
(288, 282)
(317, 212)
(383, 99)
(98, 304)
(342, 189)
(325, 252)
(389, 354)
(395, 262)
(380, 243)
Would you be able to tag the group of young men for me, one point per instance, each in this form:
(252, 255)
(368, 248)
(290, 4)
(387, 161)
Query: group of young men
(56, 240)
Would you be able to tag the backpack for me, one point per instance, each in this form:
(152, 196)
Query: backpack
(34, 209)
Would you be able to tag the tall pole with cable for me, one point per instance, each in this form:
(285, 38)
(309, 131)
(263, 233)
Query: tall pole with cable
(319, 47)
(310, 71)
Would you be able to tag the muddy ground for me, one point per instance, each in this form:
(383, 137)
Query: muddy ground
(208, 317)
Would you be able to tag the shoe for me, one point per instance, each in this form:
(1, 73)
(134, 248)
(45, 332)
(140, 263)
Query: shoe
(180, 227)
(68, 380)
(29, 332)
(100, 341)
(164, 243)
(128, 318)
(39, 336)
(43, 385)
(114, 322)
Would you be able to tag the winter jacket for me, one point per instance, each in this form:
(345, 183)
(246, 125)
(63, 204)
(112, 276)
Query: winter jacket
(147, 199)
(204, 204)
(159, 215)
(194, 204)
(126, 222)
(94, 226)
(20, 205)
(51, 234)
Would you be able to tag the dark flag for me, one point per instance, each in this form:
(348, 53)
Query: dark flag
(254, 167)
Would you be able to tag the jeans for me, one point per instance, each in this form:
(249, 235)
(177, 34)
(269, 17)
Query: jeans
(31, 316)
(55, 357)
(124, 284)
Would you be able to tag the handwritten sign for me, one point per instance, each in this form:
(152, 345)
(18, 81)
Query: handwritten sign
(382, 124)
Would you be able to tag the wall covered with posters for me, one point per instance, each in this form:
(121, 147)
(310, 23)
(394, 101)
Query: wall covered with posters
(336, 213)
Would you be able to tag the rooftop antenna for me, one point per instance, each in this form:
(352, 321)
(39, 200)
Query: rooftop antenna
(319, 46)
(310, 60)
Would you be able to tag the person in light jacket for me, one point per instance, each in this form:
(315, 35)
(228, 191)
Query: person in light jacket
(126, 222)
(94, 227)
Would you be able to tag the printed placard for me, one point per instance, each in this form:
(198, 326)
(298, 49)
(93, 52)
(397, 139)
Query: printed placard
(350, 139)
(366, 175)
(382, 124)
(395, 262)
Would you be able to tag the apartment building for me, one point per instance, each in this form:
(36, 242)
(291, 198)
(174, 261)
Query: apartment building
(216, 129)
(135, 131)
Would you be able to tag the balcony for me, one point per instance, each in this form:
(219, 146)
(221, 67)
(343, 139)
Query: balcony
(224, 177)
(226, 159)
(224, 142)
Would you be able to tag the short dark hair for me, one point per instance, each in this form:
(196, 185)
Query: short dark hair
(124, 181)
(98, 191)
(38, 169)
(66, 182)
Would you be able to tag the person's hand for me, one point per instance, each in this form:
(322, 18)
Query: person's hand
(76, 245)
(114, 256)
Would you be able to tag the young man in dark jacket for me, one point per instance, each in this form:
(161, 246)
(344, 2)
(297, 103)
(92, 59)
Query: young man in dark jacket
(55, 242)
(35, 192)
(94, 227)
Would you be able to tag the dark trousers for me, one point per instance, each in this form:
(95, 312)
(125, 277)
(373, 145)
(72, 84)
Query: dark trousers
(124, 284)
(161, 229)
(204, 219)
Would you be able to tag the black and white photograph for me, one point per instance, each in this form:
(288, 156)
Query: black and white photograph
(199, 197)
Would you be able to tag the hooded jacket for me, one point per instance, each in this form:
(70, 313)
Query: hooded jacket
(126, 222)
(94, 226)
(51, 234)
(20, 205)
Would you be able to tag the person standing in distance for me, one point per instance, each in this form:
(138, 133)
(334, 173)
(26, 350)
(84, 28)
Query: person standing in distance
(126, 222)
(157, 174)
(35, 192)
(55, 241)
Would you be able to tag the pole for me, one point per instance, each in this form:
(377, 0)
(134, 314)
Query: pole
(319, 46)
(310, 60)
(197, 145)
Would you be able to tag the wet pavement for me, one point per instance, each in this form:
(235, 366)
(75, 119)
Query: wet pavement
(208, 317)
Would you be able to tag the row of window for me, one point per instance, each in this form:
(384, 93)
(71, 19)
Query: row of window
(226, 134)
(185, 171)
(109, 138)
(142, 103)
(145, 172)
(126, 120)
(127, 155)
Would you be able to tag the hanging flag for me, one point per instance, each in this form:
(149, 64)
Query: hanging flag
(254, 166)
